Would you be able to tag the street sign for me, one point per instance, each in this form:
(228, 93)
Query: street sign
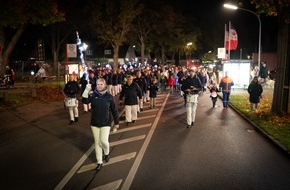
(89, 52)
(71, 50)
(107, 52)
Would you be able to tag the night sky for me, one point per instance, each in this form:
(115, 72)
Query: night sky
(208, 14)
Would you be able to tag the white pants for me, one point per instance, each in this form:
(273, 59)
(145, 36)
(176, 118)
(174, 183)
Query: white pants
(140, 104)
(131, 112)
(114, 90)
(73, 111)
(87, 107)
(119, 88)
(191, 105)
(101, 137)
(110, 88)
(146, 96)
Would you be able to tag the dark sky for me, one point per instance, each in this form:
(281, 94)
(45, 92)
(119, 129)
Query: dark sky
(211, 15)
(246, 24)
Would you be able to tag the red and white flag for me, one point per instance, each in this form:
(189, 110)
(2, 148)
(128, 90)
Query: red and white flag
(231, 38)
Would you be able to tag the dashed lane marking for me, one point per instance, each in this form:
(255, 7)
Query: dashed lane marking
(155, 105)
(127, 183)
(128, 140)
(131, 128)
(141, 118)
(110, 186)
(151, 110)
(113, 160)
(74, 169)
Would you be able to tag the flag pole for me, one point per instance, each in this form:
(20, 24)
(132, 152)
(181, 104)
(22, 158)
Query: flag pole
(229, 40)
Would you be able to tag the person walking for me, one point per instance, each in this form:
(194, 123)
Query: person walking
(71, 90)
(255, 90)
(171, 84)
(131, 91)
(163, 83)
(263, 73)
(191, 86)
(213, 93)
(85, 89)
(153, 88)
(140, 80)
(104, 112)
(226, 84)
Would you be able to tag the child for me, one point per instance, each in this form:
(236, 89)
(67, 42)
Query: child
(171, 83)
(153, 88)
(213, 94)
(163, 83)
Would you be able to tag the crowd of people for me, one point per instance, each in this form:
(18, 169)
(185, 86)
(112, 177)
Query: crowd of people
(98, 90)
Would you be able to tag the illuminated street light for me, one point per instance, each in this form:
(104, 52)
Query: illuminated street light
(189, 44)
(233, 7)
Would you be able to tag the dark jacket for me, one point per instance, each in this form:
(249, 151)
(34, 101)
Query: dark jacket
(226, 84)
(263, 73)
(153, 88)
(120, 78)
(131, 94)
(114, 79)
(72, 89)
(142, 84)
(104, 109)
(93, 82)
(255, 90)
(191, 82)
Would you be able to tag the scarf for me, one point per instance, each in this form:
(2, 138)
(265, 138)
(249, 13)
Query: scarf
(100, 93)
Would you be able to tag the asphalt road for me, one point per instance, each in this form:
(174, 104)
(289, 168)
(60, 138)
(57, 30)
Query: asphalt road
(39, 150)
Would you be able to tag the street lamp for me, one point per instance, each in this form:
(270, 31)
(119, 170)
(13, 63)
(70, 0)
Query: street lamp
(233, 7)
(188, 48)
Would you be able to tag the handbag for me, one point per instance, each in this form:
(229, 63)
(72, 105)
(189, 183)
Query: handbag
(70, 102)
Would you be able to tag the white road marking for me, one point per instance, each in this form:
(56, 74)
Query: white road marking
(140, 118)
(115, 143)
(110, 186)
(132, 173)
(133, 170)
(131, 128)
(74, 169)
(149, 105)
(151, 110)
(113, 160)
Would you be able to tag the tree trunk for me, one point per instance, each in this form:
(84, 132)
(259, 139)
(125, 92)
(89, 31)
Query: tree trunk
(142, 50)
(116, 57)
(6, 52)
(280, 103)
(2, 37)
(163, 54)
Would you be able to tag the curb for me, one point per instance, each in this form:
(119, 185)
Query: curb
(276, 143)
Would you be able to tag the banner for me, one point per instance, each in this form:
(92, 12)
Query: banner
(231, 38)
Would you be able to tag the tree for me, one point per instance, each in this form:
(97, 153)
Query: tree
(280, 8)
(168, 30)
(113, 20)
(18, 14)
(144, 25)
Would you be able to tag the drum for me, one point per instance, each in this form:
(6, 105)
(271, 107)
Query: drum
(214, 94)
(193, 98)
(70, 102)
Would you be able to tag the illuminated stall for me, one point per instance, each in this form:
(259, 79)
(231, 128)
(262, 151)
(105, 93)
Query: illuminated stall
(239, 71)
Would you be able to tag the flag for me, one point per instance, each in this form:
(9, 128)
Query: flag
(231, 38)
